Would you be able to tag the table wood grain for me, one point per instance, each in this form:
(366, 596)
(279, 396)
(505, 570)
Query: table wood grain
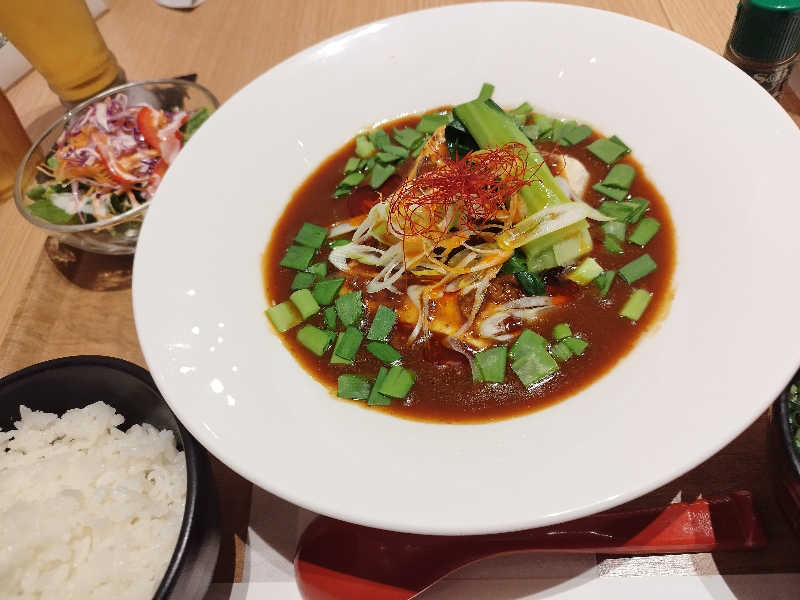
(228, 43)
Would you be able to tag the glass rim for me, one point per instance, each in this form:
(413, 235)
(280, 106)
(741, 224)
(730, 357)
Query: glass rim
(19, 196)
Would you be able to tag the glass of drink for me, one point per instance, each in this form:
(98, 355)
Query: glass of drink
(14, 143)
(62, 42)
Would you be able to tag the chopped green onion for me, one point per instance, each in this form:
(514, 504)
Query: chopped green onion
(354, 387)
(638, 268)
(604, 281)
(544, 124)
(620, 176)
(555, 134)
(561, 351)
(576, 345)
(283, 316)
(568, 250)
(353, 164)
(577, 135)
(520, 114)
(349, 308)
(384, 352)
(565, 130)
(348, 343)
(380, 173)
(615, 228)
(619, 211)
(335, 358)
(561, 331)
(523, 344)
(635, 306)
(330, 317)
(319, 269)
(315, 339)
(375, 397)
(305, 303)
(430, 123)
(352, 180)
(398, 151)
(417, 147)
(611, 192)
(302, 280)
(380, 138)
(515, 264)
(640, 206)
(407, 137)
(645, 231)
(534, 366)
(325, 291)
(386, 157)
(398, 382)
(585, 272)
(297, 257)
(52, 162)
(335, 243)
(491, 364)
(619, 142)
(611, 243)
(311, 235)
(531, 283)
(606, 150)
(532, 131)
(364, 148)
(382, 323)
(342, 190)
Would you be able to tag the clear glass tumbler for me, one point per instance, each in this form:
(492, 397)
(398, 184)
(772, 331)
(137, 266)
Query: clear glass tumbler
(63, 43)
(14, 143)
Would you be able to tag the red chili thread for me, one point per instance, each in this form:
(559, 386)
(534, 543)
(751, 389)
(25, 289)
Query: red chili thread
(476, 187)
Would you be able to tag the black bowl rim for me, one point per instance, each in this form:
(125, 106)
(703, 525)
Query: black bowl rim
(194, 453)
(781, 408)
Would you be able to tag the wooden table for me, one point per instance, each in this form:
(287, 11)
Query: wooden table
(228, 43)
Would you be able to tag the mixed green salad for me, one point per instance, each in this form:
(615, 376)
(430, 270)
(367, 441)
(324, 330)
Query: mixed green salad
(110, 160)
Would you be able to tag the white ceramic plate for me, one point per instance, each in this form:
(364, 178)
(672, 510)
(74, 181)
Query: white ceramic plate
(721, 151)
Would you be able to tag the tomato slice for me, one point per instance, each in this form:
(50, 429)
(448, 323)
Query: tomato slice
(147, 122)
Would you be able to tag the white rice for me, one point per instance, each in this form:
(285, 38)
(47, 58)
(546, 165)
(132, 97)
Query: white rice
(87, 511)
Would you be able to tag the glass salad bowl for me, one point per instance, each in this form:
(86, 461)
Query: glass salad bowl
(92, 174)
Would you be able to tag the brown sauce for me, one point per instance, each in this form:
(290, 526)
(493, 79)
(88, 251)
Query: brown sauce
(444, 391)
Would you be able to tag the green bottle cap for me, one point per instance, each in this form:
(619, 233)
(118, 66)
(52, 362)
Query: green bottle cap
(766, 30)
